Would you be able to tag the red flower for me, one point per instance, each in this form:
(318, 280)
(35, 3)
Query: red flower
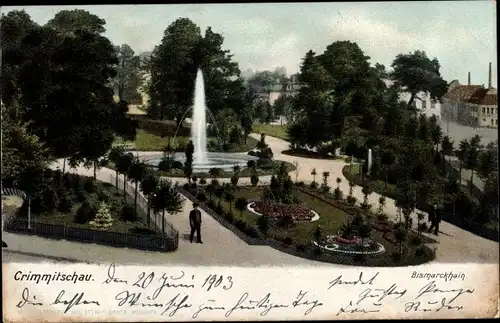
(274, 210)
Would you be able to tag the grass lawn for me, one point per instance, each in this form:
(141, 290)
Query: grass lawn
(146, 141)
(277, 131)
(115, 201)
(331, 219)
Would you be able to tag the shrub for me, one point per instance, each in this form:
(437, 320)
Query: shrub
(203, 181)
(165, 165)
(229, 217)
(65, 204)
(337, 193)
(80, 196)
(396, 256)
(301, 247)
(351, 200)
(288, 241)
(366, 206)
(66, 178)
(201, 197)
(75, 182)
(313, 185)
(219, 209)
(382, 217)
(193, 185)
(177, 165)
(300, 184)
(103, 195)
(423, 227)
(186, 186)
(89, 185)
(86, 211)
(420, 251)
(252, 232)
(47, 201)
(240, 225)
(211, 204)
(103, 162)
(416, 241)
(263, 224)
(194, 178)
(252, 153)
(127, 213)
(317, 251)
(251, 164)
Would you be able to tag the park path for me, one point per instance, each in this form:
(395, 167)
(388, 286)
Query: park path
(224, 248)
(454, 243)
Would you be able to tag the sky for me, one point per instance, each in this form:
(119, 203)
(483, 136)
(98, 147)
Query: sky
(460, 34)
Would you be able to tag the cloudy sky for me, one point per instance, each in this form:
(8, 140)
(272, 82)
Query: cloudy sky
(461, 34)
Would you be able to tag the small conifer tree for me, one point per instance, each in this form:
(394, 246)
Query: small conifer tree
(103, 219)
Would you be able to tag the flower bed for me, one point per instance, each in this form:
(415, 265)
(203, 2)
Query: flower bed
(382, 227)
(336, 243)
(274, 210)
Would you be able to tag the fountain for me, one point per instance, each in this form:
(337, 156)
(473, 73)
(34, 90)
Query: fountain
(203, 160)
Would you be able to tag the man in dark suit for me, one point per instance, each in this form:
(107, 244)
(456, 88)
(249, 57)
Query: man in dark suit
(435, 220)
(195, 223)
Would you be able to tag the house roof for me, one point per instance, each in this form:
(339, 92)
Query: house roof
(475, 94)
(463, 93)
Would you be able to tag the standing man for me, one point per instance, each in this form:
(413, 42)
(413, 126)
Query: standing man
(195, 222)
(435, 218)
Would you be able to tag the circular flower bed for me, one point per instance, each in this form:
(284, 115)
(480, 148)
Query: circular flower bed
(350, 246)
(275, 210)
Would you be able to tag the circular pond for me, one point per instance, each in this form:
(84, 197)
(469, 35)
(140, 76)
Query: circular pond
(225, 161)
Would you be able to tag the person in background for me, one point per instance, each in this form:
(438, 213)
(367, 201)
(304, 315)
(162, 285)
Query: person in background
(195, 223)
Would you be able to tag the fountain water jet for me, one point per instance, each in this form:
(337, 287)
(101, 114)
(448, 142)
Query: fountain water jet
(203, 160)
(199, 125)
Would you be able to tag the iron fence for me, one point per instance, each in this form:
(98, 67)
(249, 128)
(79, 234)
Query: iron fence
(153, 242)
(142, 202)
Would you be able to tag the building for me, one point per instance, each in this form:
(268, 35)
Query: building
(273, 92)
(422, 102)
(471, 105)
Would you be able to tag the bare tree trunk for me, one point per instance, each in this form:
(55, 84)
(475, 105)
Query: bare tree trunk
(64, 165)
(95, 169)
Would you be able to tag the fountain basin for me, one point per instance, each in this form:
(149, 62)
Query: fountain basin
(224, 161)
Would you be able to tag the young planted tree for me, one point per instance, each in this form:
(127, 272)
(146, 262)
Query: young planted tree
(236, 176)
(136, 173)
(462, 154)
(229, 198)
(219, 192)
(210, 190)
(188, 164)
(339, 180)
(215, 173)
(241, 205)
(123, 165)
(254, 178)
(364, 232)
(324, 185)
(167, 199)
(387, 160)
(400, 234)
(314, 173)
(472, 160)
(381, 204)
(149, 183)
(366, 190)
(115, 155)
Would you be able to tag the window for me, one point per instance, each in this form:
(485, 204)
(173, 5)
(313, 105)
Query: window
(424, 105)
(484, 110)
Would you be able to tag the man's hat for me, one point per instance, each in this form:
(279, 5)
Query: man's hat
(195, 204)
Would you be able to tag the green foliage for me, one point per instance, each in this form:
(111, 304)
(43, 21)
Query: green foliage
(86, 211)
(102, 219)
(127, 213)
(89, 185)
(241, 205)
(65, 204)
(263, 224)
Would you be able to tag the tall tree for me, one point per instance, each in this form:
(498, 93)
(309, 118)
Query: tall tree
(71, 21)
(415, 73)
(127, 78)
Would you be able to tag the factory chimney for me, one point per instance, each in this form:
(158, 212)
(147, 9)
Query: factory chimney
(489, 77)
(468, 82)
